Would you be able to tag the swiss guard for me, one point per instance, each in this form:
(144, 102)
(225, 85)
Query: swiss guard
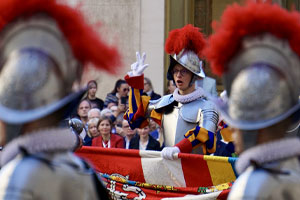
(256, 50)
(187, 107)
(44, 47)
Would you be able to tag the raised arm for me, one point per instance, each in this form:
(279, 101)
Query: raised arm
(138, 113)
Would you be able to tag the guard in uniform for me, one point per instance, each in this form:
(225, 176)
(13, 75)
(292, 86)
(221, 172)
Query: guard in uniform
(256, 50)
(44, 46)
(187, 107)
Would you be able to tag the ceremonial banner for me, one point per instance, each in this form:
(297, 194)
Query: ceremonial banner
(134, 174)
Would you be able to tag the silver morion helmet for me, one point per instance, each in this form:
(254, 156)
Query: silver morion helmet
(37, 70)
(262, 84)
(189, 60)
(185, 45)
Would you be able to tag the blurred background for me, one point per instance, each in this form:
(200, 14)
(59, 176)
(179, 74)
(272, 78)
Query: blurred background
(143, 25)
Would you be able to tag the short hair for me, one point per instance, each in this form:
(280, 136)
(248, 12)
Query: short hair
(149, 82)
(82, 100)
(105, 111)
(94, 109)
(105, 118)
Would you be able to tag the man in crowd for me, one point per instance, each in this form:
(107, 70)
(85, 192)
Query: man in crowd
(261, 74)
(127, 133)
(82, 111)
(41, 57)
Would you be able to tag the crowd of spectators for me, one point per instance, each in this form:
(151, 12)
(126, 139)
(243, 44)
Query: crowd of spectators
(103, 123)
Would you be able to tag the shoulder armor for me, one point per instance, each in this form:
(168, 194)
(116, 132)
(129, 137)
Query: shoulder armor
(162, 102)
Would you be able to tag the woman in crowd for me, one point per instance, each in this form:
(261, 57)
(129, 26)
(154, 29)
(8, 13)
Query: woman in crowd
(91, 95)
(144, 141)
(92, 131)
(107, 139)
(120, 92)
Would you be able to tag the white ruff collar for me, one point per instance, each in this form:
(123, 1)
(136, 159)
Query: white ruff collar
(46, 140)
(198, 93)
(268, 152)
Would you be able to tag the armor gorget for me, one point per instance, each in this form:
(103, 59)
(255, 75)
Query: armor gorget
(46, 140)
(269, 152)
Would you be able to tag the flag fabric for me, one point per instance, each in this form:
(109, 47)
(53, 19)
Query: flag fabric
(138, 174)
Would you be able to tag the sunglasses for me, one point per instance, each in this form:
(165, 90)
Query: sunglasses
(125, 89)
(181, 71)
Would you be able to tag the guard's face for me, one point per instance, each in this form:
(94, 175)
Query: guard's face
(182, 77)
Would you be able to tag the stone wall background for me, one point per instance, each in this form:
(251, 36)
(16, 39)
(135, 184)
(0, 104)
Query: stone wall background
(134, 25)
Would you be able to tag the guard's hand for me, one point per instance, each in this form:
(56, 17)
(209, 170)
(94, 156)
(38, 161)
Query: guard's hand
(170, 152)
(137, 68)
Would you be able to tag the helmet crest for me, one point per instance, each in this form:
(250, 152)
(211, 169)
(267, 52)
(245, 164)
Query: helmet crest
(185, 47)
(86, 45)
(250, 20)
(188, 38)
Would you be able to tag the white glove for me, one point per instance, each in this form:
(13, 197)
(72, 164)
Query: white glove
(169, 152)
(138, 67)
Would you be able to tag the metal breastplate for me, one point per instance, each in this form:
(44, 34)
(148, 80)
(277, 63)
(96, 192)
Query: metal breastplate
(185, 117)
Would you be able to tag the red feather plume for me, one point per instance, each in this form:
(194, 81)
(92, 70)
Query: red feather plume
(253, 19)
(86, 45)
(188, 37)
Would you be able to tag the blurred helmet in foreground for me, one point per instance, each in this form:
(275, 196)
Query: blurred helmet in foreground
(256, 50)
(43, 49)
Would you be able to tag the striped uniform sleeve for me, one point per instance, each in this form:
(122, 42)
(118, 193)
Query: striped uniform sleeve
(196, 137)
(138, 104)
